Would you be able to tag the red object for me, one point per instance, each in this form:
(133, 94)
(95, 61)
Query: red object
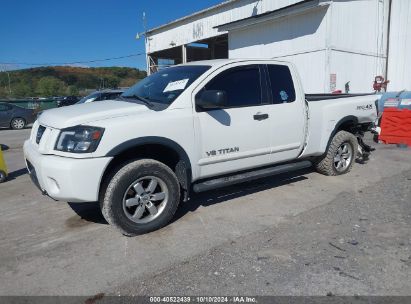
(337, 92)
(380, 83)
(396, 126)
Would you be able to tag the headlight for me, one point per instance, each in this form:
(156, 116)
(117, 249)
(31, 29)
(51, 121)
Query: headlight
(79, 139)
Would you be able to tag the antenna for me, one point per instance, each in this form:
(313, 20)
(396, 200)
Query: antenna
(144, 22)
(138, 36)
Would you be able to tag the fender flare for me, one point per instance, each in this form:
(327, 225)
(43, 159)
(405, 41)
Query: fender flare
(183, 171)
(337, 128)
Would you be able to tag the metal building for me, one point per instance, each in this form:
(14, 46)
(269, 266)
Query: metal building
(335, 44)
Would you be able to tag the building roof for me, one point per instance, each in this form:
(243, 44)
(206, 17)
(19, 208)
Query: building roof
(295, 8)
(150, 31)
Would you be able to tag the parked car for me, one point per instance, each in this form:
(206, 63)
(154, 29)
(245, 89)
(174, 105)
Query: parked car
(67, 101)
(101, 95)
(193, 127)
(15, 117)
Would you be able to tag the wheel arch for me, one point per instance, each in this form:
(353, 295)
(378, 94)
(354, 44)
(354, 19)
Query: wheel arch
(161, 149)
(346, 123)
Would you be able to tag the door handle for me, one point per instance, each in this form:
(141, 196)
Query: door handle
(260, 116)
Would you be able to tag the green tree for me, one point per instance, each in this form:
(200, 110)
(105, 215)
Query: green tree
(72, 91)
(50, 86)
(22, 90)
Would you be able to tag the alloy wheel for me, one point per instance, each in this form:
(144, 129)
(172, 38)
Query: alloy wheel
(145, 199)
(343, 157)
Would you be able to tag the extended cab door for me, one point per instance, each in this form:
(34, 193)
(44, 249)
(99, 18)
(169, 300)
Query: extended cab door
(287, 113)
(237, 136)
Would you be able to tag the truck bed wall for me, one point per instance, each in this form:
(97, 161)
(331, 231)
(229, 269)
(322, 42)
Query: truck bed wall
(325, 115)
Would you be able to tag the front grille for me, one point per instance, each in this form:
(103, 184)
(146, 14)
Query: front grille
(40, 132)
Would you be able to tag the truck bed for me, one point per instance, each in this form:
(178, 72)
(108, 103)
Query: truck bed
(316, 97)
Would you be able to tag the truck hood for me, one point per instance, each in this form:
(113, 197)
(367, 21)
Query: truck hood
(86, 113)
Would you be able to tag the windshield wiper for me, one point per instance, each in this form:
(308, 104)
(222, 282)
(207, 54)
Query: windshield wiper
(145, 100)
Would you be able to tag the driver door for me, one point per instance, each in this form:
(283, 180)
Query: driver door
(237, 136)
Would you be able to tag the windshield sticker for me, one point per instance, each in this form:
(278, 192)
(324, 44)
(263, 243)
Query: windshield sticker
(176, 85)
(283, 95)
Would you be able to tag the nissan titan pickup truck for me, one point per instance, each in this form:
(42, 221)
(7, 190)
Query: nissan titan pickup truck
(192, 128)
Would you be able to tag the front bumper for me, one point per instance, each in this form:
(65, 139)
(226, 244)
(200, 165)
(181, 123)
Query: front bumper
(63, 178)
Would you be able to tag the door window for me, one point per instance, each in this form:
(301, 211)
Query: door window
(4, 107)
(282, 85)
(241, 84)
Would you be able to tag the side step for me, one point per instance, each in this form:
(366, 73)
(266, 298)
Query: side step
(249, 176)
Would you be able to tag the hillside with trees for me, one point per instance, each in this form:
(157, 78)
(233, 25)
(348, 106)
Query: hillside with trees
(64, 80)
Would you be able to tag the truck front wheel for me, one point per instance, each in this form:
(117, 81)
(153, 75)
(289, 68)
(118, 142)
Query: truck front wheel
(340, 155)
(142, 196)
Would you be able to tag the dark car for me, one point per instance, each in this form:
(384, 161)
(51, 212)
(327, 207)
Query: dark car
(15, 117)
(67, 101)
(101, 95)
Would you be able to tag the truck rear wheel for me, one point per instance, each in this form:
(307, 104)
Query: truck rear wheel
(340, 155)
(142, 196)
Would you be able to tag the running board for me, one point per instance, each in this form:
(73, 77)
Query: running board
(249, 176)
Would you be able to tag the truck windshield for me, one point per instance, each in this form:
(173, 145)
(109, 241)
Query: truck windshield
(89, 98)
(164, 86)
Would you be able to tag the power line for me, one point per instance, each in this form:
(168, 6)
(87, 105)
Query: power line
(73, 62)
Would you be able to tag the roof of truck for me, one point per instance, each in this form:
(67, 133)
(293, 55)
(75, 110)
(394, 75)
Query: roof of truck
(219, 62)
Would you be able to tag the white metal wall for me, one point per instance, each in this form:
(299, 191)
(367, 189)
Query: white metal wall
(399, 58)
(199, 27)
(347, 39)
(298, 39)
(358, 42)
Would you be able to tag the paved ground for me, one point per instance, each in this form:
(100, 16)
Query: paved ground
(293, 234)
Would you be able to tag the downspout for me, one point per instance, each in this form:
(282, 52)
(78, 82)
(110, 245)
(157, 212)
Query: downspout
(328, 49)
(388, 38)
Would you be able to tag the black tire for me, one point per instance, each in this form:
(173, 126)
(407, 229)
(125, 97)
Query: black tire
(18, 123)
(327, 165)
(2, 176)
(112, 205)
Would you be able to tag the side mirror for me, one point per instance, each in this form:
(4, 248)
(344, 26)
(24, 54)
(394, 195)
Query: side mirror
(212, 99)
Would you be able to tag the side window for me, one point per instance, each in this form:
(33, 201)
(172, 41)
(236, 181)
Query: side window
(241, 84)
(99, 97)
(113, 95)
(282, 85)
(4, 107)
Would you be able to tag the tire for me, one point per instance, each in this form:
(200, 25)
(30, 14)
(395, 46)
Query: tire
(2, 176)
(340, 155)
(17, 123)
(133, 191)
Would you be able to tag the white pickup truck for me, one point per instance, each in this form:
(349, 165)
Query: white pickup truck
(192, 127)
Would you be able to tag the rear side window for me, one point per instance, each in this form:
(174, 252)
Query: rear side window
(282, 85)
(241, 84)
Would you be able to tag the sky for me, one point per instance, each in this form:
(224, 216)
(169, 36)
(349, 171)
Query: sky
(60, 31)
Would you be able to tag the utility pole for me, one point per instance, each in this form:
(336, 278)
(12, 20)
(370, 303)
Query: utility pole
(146, 41)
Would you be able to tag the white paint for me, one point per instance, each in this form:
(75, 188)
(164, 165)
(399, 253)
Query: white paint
(335, 39)
(348, 39)
(201, 25)
(280, 137)
(399, 58)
